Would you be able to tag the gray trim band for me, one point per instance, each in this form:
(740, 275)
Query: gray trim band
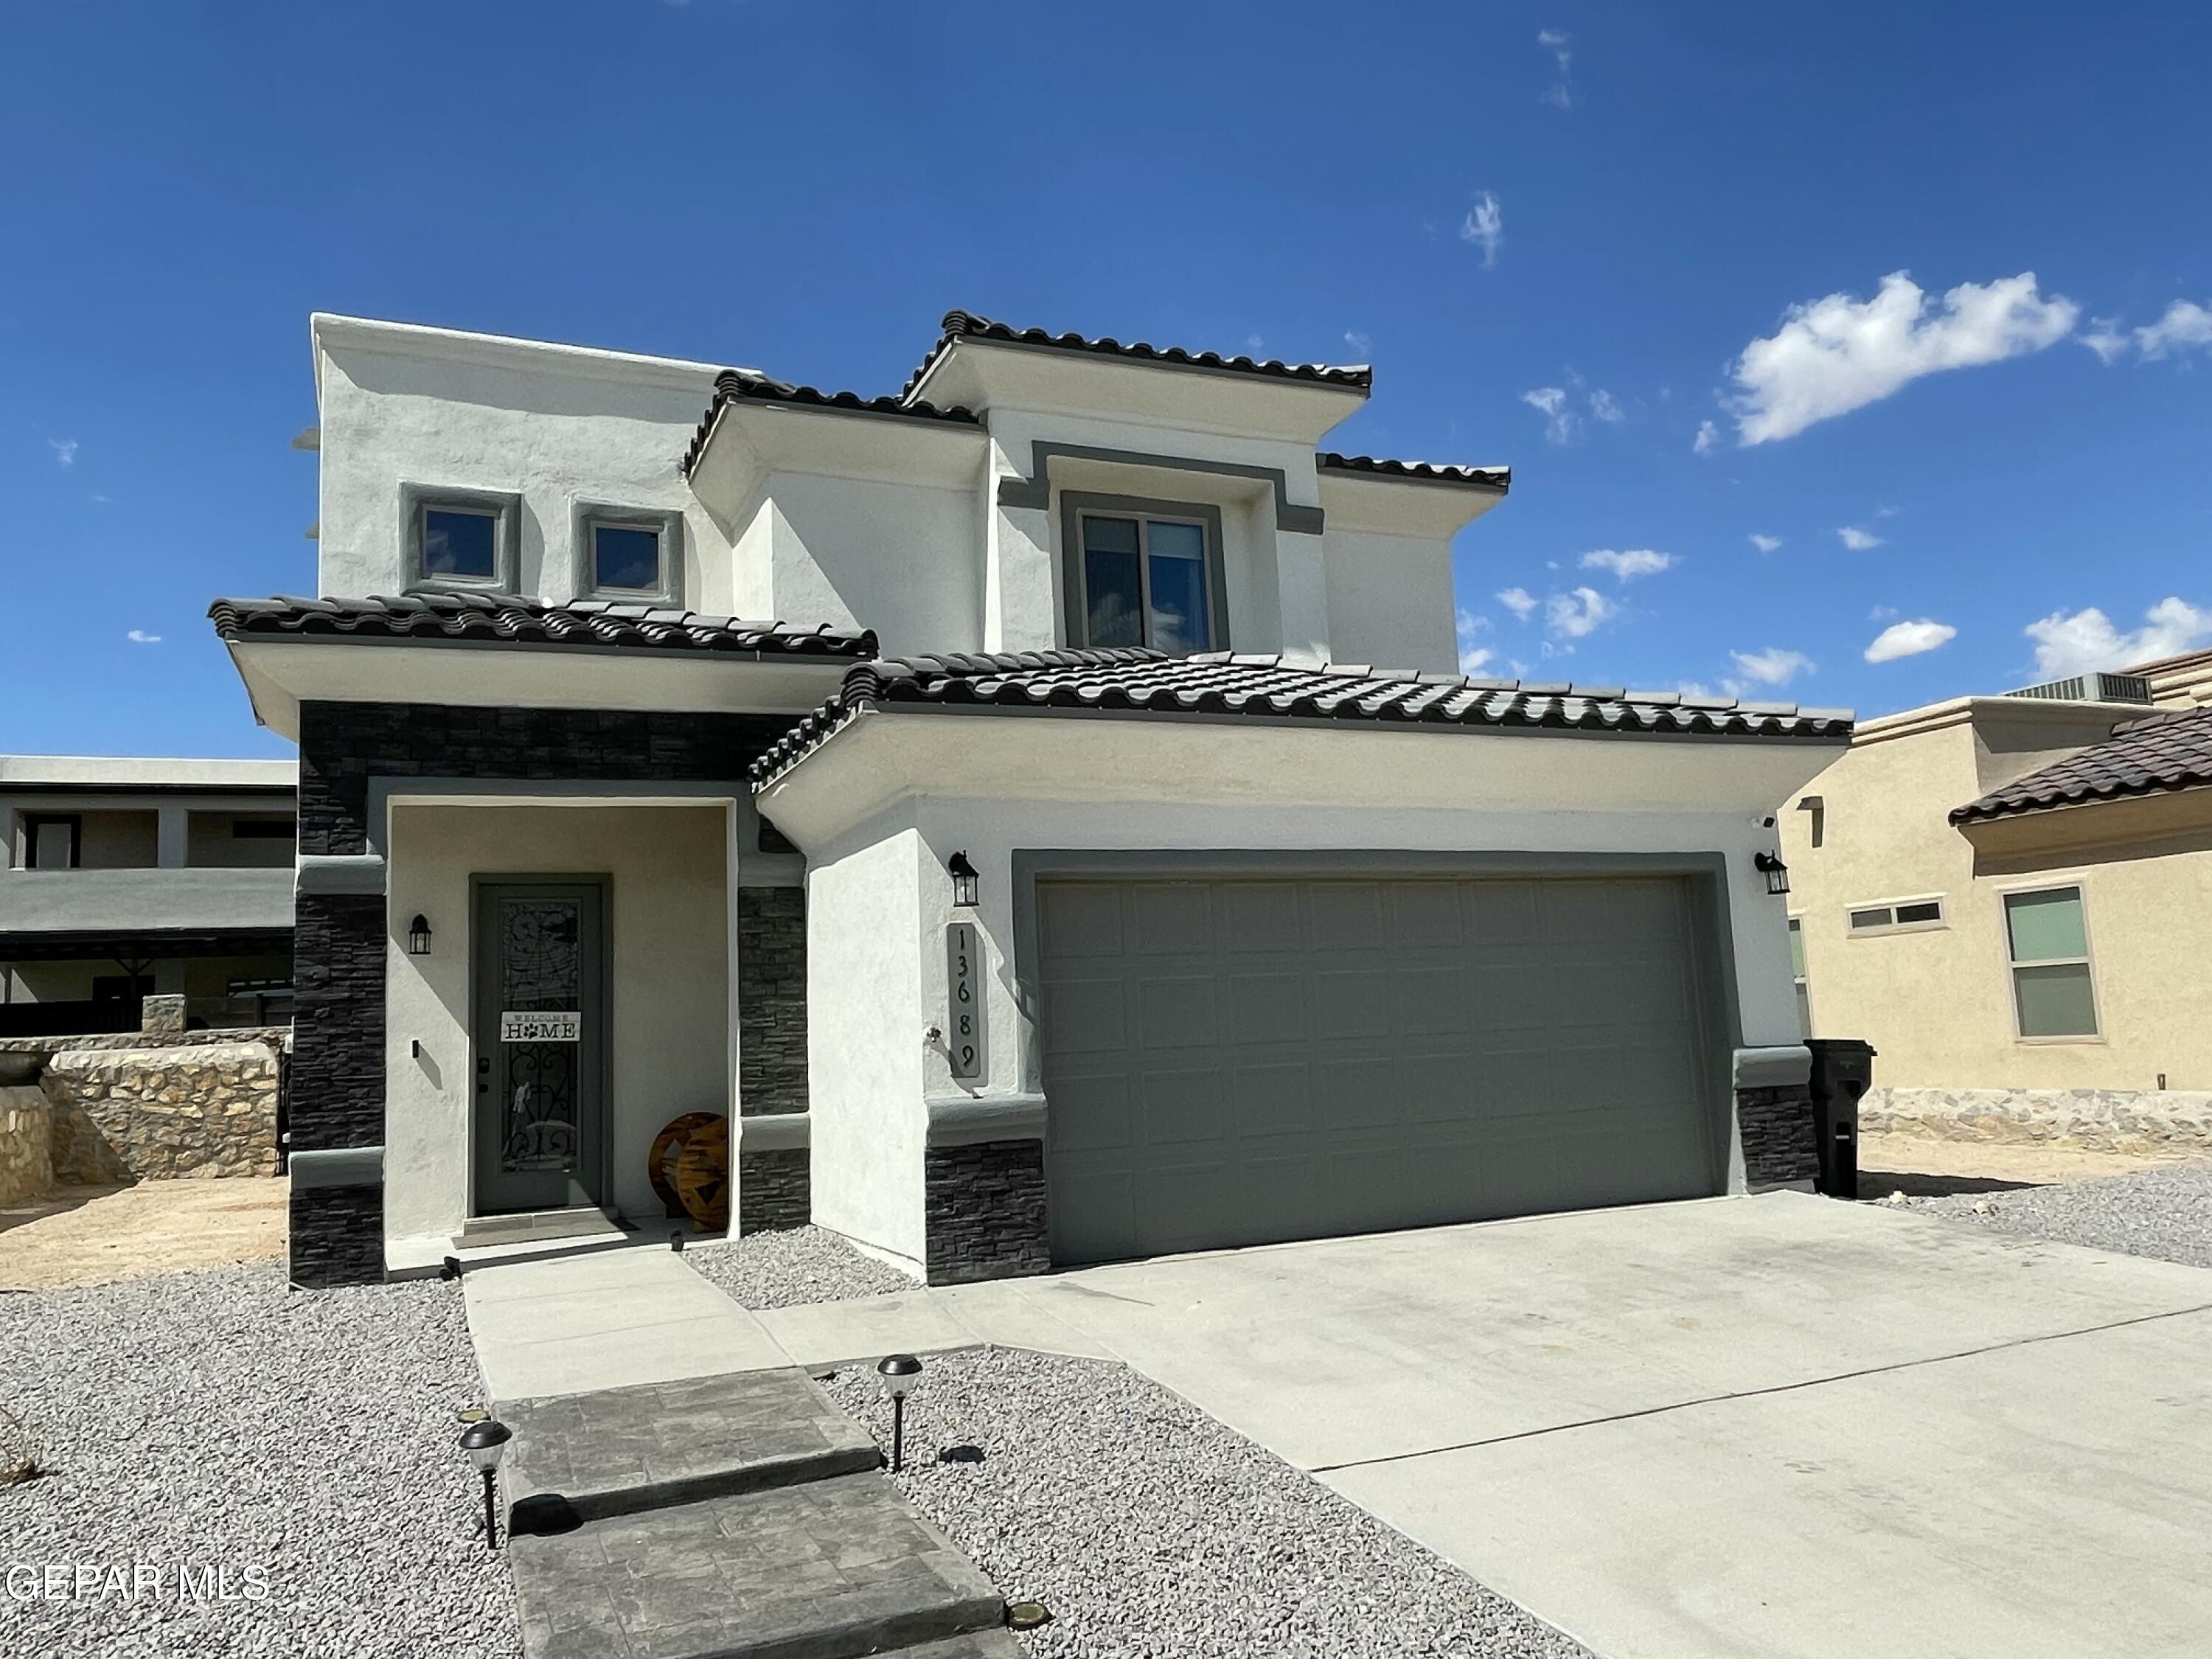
(970, 1120)
(549, 647)
(341, 1166)
(776, 1132)
(381, 790)
(1773, 1068)
(339, 873)
(1035, 490)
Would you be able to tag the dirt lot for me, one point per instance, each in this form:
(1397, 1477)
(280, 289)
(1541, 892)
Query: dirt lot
(100, 1235)
(1920, 1168)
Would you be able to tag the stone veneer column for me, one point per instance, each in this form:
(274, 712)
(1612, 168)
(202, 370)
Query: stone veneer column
(983, 1211)
(1780, 1147)
(336, 1082)
(774, 1186)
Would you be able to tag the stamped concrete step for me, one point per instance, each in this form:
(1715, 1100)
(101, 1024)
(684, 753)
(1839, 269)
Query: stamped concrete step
(586, 1456)
(833, 1570)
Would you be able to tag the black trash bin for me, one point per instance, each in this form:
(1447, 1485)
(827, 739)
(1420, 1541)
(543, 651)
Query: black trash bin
(1842, 1071)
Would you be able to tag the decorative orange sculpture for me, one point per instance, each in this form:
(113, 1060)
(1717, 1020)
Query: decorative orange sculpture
(660, 1161)
(702, 1174)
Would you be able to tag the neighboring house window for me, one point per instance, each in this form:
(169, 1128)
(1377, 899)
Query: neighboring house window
(1904, 915)
(1144, 572)
(461, 538)
(1797, 972)
(52, 843)
(627, 554)
(2047, 937)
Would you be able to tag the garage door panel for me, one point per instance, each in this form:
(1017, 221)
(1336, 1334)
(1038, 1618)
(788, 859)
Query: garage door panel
(1088, 1017)
(1259, 918)
(1175, 1011)
(1172, 918)
(1276, 1059)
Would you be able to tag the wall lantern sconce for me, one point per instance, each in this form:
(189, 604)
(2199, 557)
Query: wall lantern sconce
(418, 937)
(1771, 865)
(900, 1372)
(485, 1441)
(964, 881)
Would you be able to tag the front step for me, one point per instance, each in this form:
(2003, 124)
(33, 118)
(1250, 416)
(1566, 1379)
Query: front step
(586, 1457)
(833, 1570)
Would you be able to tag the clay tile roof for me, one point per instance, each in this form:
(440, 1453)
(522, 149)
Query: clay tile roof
(501, 619)
(1146, 683)
(732, 386)
(967, 326)
(2154, 755)
(1495, 479)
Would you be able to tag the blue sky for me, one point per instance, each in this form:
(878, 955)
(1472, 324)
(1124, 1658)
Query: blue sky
(1571, 237)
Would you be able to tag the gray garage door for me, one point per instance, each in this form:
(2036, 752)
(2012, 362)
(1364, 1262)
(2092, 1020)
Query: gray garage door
(1240, 1061)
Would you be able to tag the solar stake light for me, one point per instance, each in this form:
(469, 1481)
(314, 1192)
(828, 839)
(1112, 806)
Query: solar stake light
(1771, 865)
(1027, 1615)
(900, 1371)
(485, 1441)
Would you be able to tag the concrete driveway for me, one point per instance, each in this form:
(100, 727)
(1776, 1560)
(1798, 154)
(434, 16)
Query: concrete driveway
(1779, 1428)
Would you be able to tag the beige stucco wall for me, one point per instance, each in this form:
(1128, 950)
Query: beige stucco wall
(668, 931)
(1937, 1004)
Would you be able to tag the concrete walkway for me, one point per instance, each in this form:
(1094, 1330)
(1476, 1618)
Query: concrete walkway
(615, 1319)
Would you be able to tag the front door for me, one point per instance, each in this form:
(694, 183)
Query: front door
(540, 1031)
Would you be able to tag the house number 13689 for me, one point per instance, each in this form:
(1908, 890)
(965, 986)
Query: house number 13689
(963, 995)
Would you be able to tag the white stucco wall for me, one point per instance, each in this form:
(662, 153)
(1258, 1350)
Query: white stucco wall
(668, 931)
(903, 558)
(556, 426)
(1390, 599)
(881, 899)
(864, 1041)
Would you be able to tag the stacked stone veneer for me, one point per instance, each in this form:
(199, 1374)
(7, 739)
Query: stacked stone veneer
(2088, 1120)
(26, 1165)
(775, 1187)
(338, 940)
(1781, 1146)
(983, 1211)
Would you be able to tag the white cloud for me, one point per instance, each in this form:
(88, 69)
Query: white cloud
(2086, 642)
(1557, 96)
(1881, 613)
(1698, 690)
(1909, 639)
(1551, 401)
(1485, 226)
(1362, 343)
(1626, 566)
(1472, 626)
(1764, 543)
(140, 636)
(1519, 600)
(2186, 324)
(1255, 344)
(1578, 613)
(1772, 666)
(1606, 408)
(1857, 539)
(1837, 354)
(1552, 38)
(1560, 94)
(1708, 436)
(1475, 661)
(64, 451)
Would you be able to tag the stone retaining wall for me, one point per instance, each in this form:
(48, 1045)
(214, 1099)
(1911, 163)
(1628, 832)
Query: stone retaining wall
(138, 1114)
(2089, 1120)
(27, 1165)
(273, 1036)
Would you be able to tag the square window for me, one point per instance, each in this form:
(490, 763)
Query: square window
(1146, 580)
(626, 557)
(460, 544)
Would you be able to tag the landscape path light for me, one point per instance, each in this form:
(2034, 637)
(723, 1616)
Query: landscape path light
(485, 1441)
(899, 1372)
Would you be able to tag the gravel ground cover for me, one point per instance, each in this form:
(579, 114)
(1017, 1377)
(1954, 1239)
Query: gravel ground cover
(300, 1444)
(2166, 1213)
(1150, 1529)
(793, 1267)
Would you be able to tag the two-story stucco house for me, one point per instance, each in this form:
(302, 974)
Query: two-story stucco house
(1102, 854)
(122, 877)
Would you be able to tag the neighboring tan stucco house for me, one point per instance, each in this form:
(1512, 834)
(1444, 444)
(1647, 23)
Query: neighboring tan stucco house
(120, 877)
(1281, 926)
(2006, 897)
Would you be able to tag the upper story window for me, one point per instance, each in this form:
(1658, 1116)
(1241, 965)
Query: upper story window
(461, 538)
(628, 555)
(2047, 938)
(1905, 915)
(1146, 572)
